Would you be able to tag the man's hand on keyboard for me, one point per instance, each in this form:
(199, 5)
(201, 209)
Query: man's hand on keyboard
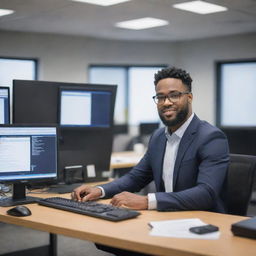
(86, 193)
(130, 200)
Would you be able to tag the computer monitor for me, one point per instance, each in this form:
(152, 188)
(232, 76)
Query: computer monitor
(83, 107)
(241, 140)
(39, 102)
(148, 128)
(4, 105)
(121, 129)
(85, 144)
(27, 155)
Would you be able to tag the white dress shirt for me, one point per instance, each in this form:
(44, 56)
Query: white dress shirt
(171, 150)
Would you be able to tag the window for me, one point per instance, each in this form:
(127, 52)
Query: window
(135, 89)
(11, 68)
(117, 76)
(236, 90)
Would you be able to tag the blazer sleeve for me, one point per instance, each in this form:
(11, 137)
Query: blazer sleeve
(133, 181)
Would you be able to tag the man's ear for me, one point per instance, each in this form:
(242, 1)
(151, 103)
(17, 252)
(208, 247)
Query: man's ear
(190, 98)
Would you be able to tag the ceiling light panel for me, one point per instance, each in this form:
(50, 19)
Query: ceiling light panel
(102, 2)
(4, 12)
(143, 23)
(200, 7)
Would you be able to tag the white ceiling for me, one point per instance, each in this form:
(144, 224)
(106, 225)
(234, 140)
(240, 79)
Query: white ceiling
(74, 18)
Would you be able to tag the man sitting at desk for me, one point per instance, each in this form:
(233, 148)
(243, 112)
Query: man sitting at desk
(187, 160)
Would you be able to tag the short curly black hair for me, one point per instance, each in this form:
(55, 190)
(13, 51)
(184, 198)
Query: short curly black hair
(173, 72)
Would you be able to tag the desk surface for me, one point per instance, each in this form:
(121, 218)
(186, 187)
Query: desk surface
(125, 159)
(133, 234)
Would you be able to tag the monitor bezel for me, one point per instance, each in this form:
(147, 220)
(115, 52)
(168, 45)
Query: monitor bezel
(9, 102)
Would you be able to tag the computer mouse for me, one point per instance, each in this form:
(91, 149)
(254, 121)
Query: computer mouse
(19, 211)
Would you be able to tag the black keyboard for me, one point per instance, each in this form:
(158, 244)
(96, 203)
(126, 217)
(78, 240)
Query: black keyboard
(90, 208)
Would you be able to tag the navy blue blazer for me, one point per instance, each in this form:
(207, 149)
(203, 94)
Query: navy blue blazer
(199, 172)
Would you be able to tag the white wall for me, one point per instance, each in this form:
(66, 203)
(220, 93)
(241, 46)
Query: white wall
(199, 57)
(66, 58)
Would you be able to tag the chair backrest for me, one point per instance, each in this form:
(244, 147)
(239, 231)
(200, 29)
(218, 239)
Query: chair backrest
(240, 181)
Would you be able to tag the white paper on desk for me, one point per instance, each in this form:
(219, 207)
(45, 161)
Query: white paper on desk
(180, 229)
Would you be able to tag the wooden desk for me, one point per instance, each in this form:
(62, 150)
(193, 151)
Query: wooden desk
(133, 234)
(125, 159)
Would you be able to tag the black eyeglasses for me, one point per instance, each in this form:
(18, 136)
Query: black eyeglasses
(172, 97)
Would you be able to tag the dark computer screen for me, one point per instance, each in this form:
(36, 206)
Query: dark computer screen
(84, 107)
(241, 140)
(27, 154)
(4, 105)
(148, 128)
(85, 143)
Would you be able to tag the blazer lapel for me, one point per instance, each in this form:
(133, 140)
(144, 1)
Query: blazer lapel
(186, 140)
(158, 160)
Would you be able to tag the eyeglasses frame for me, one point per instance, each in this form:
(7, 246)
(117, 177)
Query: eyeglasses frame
(168, 97)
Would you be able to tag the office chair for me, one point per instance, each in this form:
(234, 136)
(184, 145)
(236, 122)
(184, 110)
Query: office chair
(240, 179)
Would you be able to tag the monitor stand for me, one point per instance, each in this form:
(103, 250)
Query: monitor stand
(18, 196)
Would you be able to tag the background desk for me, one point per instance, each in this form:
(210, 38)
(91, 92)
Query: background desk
(134, 234)
(125, 159)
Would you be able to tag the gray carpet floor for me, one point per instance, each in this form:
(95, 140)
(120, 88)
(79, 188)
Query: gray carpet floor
(14, 238)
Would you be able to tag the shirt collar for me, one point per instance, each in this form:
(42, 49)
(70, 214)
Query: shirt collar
(179, 132)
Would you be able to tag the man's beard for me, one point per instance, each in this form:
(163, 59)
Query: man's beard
(180, 117)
